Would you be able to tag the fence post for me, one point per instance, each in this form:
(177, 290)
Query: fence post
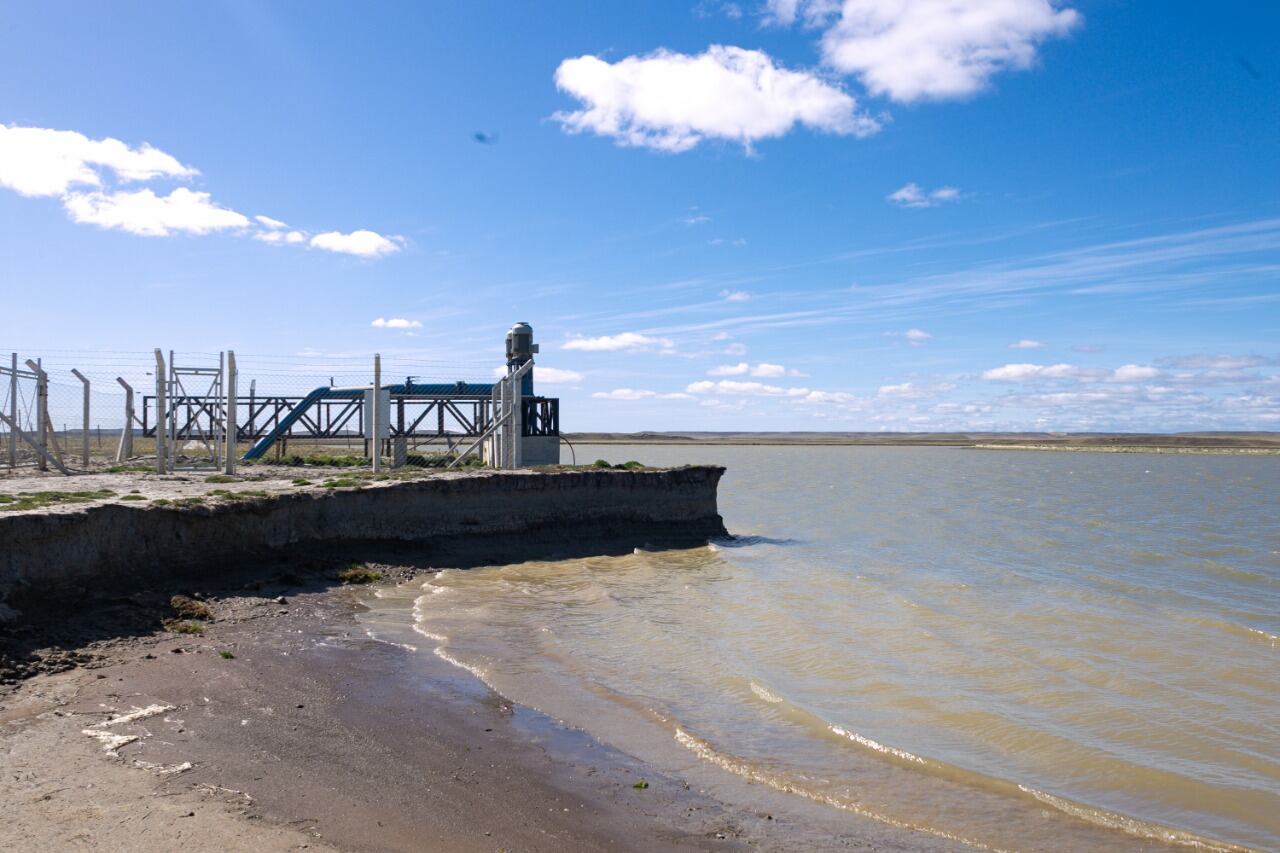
(375, 414)
(517, 424)
(84, 427)
(125, 450)
(42, 412)
(13, 414)
(231, 412)
(162, 422)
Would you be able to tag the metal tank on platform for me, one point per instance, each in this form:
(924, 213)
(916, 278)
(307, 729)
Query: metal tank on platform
(540, 440)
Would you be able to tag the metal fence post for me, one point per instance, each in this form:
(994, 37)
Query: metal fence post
(375, 415)
(125, 450)
(84, 427)
(13, 414)
(162, 422)
(231, 412)
(42, 412)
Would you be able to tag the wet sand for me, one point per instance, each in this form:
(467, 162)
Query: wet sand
(313, 736)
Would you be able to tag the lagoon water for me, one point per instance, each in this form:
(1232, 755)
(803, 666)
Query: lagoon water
(1010, 649)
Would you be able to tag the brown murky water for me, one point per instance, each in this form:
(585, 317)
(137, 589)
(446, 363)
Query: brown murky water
(1017, 650)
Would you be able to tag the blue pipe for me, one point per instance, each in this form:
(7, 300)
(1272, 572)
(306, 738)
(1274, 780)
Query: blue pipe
(461, 389)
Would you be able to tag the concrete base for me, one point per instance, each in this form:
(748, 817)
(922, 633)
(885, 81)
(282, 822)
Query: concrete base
(541, 450)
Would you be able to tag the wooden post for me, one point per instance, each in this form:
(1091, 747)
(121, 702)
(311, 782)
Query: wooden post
(125, 450)
(42, 412)
(84, 427)
(231, 412)
(162, 421)
(375, 414)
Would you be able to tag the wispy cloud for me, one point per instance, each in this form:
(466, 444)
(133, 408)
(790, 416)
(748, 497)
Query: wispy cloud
(763, 370)
(913, 195)
(1026, 343)
(915, 337)
(624, 342)
(396, 323)
(637, 394)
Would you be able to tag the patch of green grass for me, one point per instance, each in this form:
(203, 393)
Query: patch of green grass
(160, 502)
(133, 498)
(36, 500)
(129, 469)
(301, 482)
(226, 655)
(641, 785)
(630, 465)
(194, 500)
(219, 478)
(327, 460)
(599, 463)
(359, 573)
(341, 483)
(244, 495)
(179, 627)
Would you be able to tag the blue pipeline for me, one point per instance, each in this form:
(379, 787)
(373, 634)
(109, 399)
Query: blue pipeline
(456, 389)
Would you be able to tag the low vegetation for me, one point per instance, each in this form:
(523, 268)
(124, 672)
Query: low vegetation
(36, 500)
(359, 573)
(133, 498)
(219, 478)
(179, 627)
(226, 655)
(630, 465)
(189, 608)
(342, 483)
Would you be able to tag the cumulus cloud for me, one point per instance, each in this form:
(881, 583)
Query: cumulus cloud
(396, 323)
(637, 394)
(624, 342)
(1221, 361)
(673, 101)
(913, 390)
(145, 213)
(90, 178)
(748, 389)
(1026, 343)
(362, 243)
(37, 161)
(1025, 372)
(915, 337)
(1134, 373)
(913, 195)
(763, 370)
(911, 50)
(734, 295)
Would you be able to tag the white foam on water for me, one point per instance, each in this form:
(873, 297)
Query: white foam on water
(765, 693)
(877, 746)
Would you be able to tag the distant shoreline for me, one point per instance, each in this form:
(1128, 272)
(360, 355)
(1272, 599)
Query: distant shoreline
(1257, 444)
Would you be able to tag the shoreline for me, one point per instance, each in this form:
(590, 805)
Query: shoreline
(313, 735)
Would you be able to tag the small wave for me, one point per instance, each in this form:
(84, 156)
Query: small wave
(377, 639)
(1132, 826)
(877, 746)
(753, 773)
(765, 693)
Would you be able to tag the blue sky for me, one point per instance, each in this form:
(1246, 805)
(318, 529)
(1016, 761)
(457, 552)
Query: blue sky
(970, 214)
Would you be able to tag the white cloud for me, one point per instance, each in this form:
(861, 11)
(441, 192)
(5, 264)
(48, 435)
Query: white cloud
(362, 243)
(87, 174)
(396, 323)
(673, 101)
(637, 394)
(812, 13)
(913, 195)
(624, 342)
(1026, 343)
(697, 219)
(734, 295)
(910, 50)
(912, 390)
(763, 370)
(735, 349)
(1134, 373)
(37, 161)
(548, 375)
(915, 337)
(1024, 372)
(750, 389)
(143, 212)
(291, 237)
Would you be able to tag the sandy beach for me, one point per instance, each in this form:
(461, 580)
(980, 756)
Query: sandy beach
(284, 727)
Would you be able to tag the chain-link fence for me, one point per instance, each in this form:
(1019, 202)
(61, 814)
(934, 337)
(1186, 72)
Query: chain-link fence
(105, 403)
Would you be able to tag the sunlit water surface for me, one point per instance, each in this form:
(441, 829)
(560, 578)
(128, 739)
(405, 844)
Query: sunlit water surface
(1018, 650)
